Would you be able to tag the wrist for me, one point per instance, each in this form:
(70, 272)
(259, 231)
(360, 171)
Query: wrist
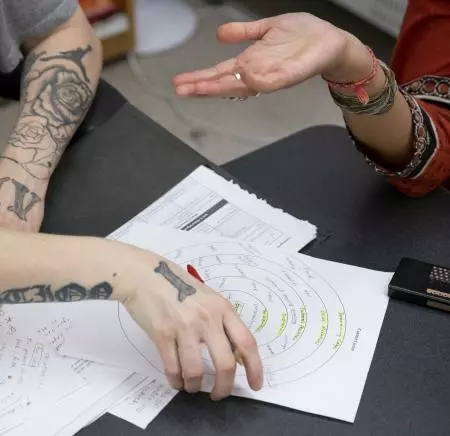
(355, 64)
(135, 267)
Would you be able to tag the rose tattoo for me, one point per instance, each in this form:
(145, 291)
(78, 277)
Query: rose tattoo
(56, 95)
(61, 98)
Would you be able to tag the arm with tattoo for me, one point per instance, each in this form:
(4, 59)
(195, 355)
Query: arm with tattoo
(56, 94)
(178, 312)
(40, 268)
(59, 80)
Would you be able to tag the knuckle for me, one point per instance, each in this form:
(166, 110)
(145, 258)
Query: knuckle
(247, 342)
(193, 372)
(226, 367)
(172, 371)
(163, 335)
(188, 322)
(227, 305)
(204, 315)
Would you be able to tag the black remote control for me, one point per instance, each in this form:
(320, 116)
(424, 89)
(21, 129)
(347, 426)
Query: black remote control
(421, 283)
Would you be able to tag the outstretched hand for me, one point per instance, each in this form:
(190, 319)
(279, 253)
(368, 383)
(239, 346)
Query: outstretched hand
(287, 50)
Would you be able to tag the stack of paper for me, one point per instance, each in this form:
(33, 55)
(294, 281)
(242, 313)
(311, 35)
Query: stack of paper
(316, 322)
(46, 391)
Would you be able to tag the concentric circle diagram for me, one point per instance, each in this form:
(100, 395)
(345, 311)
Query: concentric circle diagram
(297, 318)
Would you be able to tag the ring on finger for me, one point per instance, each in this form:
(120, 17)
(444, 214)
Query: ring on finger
(244, 98)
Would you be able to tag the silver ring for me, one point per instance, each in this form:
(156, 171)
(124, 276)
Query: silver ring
(239, 77)
(244, 98)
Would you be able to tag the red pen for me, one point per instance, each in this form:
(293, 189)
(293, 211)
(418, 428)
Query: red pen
(194, 273)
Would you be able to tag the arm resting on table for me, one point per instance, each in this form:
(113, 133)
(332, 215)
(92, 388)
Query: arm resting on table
(40, 268)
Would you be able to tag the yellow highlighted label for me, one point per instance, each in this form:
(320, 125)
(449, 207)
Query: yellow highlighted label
(265, 317)
(341, 335)
(302, 326)
(323, 326)
(284, 318)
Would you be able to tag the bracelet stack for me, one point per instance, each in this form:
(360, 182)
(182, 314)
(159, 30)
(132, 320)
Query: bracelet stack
(361, 104)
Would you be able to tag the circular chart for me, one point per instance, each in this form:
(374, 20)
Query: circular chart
(297, 318)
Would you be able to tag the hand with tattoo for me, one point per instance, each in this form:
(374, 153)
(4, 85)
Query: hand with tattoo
(180, 314)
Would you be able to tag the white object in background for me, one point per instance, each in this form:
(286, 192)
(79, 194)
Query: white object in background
(112, 26)
(162, 25)
(205, 202)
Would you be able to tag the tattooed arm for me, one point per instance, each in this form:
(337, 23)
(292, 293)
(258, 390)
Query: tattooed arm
(177, 311)
(59, 80)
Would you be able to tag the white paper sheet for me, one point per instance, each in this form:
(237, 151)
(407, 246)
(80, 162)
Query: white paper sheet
(53, 395)
(106, 387)
(76, 411)
(205, 202)
(316, 322)
(33, 377)
(132, 397)
(143, 404)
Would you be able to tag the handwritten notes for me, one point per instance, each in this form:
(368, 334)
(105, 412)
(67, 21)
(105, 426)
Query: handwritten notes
(144, 403)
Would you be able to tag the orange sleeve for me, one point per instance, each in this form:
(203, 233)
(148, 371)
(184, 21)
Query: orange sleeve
(421, 62)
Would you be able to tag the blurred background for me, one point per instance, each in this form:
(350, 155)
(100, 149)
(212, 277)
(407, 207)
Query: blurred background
(147, 42)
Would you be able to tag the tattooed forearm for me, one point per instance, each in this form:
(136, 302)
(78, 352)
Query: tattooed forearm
(46, 294)
(76, 56)
(184, 290)
(56, 94)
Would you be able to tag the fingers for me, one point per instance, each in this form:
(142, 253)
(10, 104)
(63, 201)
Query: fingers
(240, 32)
(169, 355)
(224, 363)
(232, 32)
(191, 362)
(213, 73)
(227, 86)
(247, 348)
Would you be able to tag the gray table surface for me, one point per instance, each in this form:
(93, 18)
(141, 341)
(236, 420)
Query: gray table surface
(127, 163)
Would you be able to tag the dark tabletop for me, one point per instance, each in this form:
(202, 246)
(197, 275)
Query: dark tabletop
(128, 162)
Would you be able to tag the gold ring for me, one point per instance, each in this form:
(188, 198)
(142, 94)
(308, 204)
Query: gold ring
(238, 76)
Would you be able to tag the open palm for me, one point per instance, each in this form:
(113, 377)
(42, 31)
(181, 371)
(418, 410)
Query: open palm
(288, 49)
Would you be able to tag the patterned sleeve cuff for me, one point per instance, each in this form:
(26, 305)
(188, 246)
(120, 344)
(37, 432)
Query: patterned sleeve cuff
(425, 143)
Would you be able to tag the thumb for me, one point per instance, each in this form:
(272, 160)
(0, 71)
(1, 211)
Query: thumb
(240, 31)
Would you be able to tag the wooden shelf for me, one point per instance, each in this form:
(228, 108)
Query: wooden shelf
(117, 33)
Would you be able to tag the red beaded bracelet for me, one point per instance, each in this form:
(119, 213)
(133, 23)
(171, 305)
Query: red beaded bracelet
(358, 87)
